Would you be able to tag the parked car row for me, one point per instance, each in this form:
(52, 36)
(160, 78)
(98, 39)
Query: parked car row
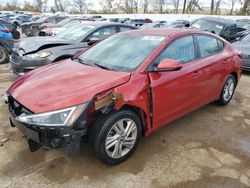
(6, 43)
(34, 52)
(33, 28)
(123, 88)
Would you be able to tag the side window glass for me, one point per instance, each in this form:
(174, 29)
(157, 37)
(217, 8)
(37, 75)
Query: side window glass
(74, 21)
(51, 19)
(220, 45)
(103, 33)
(233, 30)
(208, 45)
(125, 28)
(181, 50)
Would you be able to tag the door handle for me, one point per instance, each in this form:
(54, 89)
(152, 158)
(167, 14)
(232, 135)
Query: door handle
(196, 73)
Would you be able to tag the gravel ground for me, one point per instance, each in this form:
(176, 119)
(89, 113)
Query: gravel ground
(208, 148)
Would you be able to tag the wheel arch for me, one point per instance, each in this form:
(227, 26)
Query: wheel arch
(140, 113)
(235, 75)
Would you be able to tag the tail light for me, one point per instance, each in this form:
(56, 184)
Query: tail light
(5, 30)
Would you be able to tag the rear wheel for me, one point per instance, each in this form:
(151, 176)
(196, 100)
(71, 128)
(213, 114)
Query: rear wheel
(227, 91)
(114, 137)
(3, 55)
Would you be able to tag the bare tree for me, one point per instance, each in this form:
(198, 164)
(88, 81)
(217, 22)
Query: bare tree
(158, 5)
(38, 4)
(176, 4)
(184, 6)
(128, 6)
(232, 3)
(246, 4)
(212, 7)
(61, 5)
(192, 5)
(12, 5)
(81, 5)
(45, 5)
(217, 6)
(145, 5)
(107, 5)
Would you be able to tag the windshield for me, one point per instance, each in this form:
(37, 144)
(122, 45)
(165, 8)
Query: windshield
(64, 21)
(207, 25)
(246, 38)
(67, 25)
(75, 33)
(41, 19)
(122, 52)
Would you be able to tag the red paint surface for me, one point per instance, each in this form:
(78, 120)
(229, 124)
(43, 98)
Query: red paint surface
(174, 93)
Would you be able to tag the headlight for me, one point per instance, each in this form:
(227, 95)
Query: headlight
(64, 117)
(6, 98)
(39, 55)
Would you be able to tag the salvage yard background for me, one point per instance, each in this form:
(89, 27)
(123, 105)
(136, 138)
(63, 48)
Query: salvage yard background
(207, 148)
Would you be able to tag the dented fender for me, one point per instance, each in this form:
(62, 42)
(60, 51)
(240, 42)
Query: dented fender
(133, 93)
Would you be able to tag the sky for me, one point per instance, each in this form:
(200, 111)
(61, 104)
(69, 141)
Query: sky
(96, 4)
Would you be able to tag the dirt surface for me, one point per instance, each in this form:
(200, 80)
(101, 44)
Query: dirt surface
(208, 148)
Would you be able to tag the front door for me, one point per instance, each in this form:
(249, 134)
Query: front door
(175, 93)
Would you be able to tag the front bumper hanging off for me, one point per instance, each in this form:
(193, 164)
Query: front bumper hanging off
(52, 137)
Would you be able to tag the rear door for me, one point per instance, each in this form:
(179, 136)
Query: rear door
(175, 93)
(214, 64)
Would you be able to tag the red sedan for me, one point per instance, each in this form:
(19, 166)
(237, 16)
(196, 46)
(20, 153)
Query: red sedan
(123, 88)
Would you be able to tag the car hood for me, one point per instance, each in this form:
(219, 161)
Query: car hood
(33, 44)
(50, 25)
(243, 46)
(30, 23)
(57, 30)
(63, 85)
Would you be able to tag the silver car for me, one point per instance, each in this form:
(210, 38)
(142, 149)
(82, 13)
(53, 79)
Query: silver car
(244, 46)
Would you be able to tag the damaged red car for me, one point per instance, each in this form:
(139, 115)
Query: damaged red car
(123, 88)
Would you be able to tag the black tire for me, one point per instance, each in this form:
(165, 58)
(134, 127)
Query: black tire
(16, 34)
(4, 56)
(225, 100)
(101, 129)
(16, 24)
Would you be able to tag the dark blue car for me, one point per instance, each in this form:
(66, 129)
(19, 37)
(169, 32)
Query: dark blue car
(6, 43)
(20, 19)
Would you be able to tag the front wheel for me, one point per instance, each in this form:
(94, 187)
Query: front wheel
(3, 55)
(227, 91)
(114, 137)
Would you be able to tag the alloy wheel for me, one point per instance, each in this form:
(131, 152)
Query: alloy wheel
(121, 138)
(228, 89)
(2, 54)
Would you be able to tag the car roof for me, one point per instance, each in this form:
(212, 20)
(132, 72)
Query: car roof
(167, 31)
(219, 20)
(101, 24)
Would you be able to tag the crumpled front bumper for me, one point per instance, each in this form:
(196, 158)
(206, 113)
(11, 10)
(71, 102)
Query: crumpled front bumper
(48, 136)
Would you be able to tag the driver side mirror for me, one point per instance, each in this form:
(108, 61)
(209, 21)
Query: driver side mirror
(92, 41)
(169, 65)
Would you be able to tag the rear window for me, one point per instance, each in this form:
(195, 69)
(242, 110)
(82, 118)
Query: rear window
(209, 45)
(207, 25)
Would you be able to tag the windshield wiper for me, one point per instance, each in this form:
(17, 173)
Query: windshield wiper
(101, 66)
(79, 60)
